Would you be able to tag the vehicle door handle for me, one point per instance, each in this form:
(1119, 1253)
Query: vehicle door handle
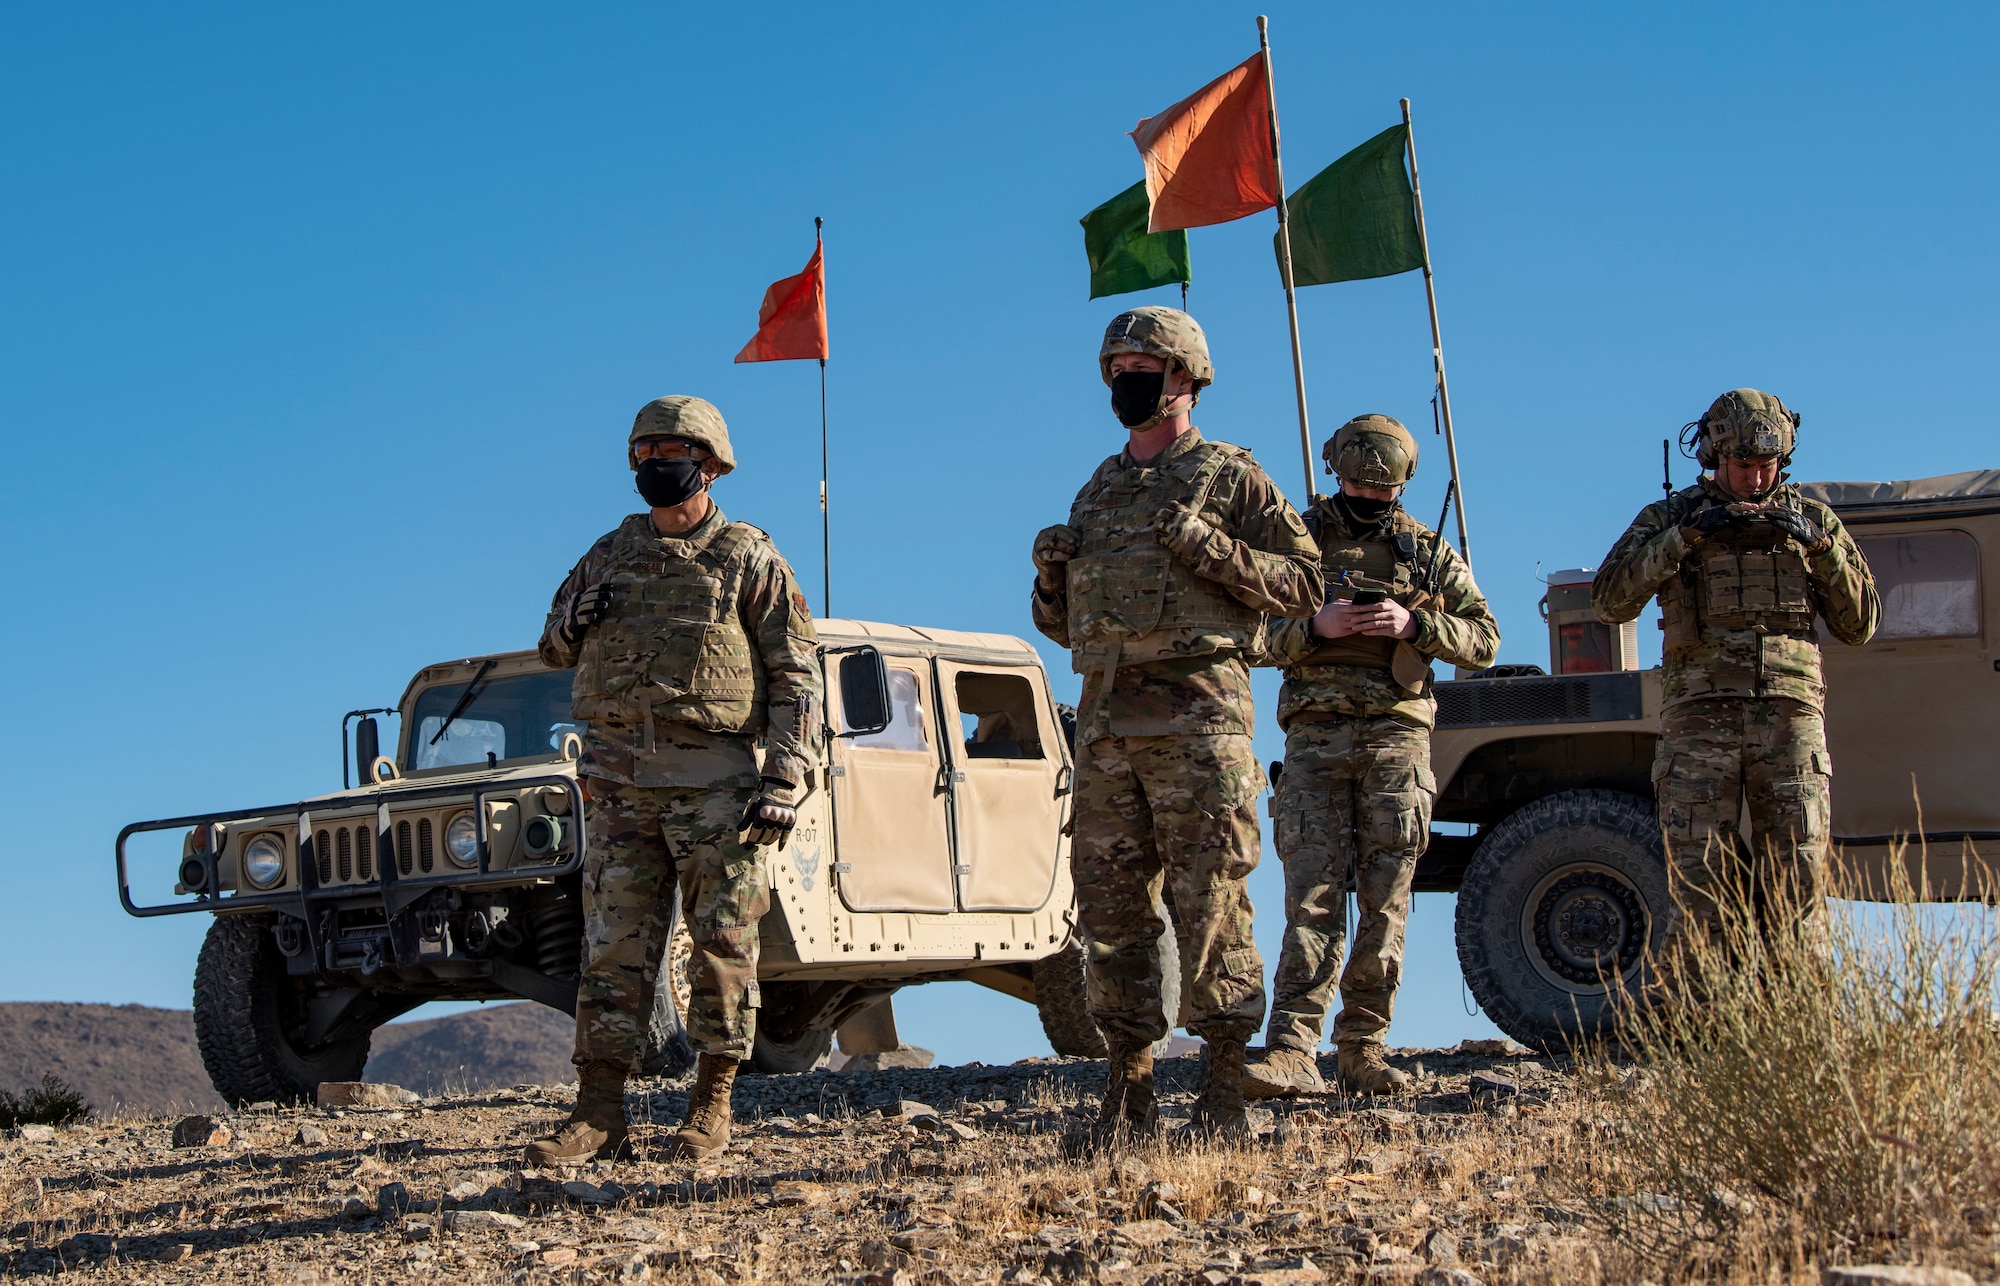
(1065, 776)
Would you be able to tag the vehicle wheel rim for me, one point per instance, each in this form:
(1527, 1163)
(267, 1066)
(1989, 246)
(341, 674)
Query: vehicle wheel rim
(1583, 923)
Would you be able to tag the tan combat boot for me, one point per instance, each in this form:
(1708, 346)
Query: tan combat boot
(1363, 1070)
(706, 1130)
(597, 1125)
(1218, 1110)
(1130, 1109)
(1282, 1072)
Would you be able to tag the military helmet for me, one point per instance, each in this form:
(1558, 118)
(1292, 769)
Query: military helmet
(1166, 333)
(1372, 451)
(1745, 423)
(681, 416)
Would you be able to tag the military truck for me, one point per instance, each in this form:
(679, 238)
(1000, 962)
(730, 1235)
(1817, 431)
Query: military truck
(1562, 880)
(933, 848)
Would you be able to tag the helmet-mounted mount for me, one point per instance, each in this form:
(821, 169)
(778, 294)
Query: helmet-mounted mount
(1743, 423)
(1372, 451)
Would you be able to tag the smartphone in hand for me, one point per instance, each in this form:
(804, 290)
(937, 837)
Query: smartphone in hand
(1368, 597)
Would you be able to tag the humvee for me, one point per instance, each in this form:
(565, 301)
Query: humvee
(934, 848)
(1562, 881)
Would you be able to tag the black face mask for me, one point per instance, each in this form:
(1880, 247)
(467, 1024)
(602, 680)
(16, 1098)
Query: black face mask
(1364, 509)
(1135, 396)
(666, 483)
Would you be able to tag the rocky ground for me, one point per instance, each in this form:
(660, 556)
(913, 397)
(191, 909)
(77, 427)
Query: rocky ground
(914, 1175)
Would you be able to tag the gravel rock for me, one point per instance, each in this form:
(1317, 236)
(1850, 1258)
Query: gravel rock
(33, 1133)
(310, 1136)
(903, 1056)
(1145, 1232)
(1440, 1247)
(1442, 1275)
(200, 1132)
(591, 1194)
(1894, 1275)
(481, 1221)
(363, 1094)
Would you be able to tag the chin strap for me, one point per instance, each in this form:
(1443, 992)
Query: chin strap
(1164, 410)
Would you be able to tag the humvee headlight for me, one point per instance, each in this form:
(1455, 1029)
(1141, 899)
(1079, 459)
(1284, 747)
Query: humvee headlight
(264, 861)
(461, 839)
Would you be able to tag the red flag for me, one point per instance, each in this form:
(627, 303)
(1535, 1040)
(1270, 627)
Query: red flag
(792, 322)
(1209, 157)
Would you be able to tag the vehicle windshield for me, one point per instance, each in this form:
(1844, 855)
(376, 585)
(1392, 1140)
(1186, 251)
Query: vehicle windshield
(510, 718)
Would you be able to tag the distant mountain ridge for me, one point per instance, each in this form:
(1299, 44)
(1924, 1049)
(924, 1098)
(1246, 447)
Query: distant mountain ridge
(138, 1060)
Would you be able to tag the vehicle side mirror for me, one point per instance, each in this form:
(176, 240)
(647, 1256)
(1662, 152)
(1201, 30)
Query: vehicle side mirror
(864, 692)
(367, 745)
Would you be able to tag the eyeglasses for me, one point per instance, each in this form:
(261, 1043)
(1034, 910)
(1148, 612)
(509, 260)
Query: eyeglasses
(666, 449)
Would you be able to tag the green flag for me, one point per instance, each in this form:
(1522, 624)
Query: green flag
(1356, 218)
(1123, 255)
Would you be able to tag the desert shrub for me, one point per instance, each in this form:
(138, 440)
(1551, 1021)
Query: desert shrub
(50, 1103)
(1810, 1089)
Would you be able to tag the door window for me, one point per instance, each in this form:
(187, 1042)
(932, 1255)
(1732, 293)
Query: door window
(906, 730)
(997, 712)
(1929, 582)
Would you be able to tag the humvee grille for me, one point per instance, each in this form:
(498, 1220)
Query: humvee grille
(323, 849)
(364, 851)
(343, 853)
(1581, 698)
(424, 842)
(404, 855)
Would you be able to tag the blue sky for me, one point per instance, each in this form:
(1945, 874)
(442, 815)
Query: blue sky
(321, 331)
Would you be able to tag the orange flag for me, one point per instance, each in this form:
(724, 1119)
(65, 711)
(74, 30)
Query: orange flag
(792, 322)
(1209, 156)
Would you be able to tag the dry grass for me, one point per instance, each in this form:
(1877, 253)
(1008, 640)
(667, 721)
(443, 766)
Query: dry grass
(1832, 1096)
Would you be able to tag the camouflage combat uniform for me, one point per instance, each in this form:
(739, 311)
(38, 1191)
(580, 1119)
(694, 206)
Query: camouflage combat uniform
(707, 647)
(1167, 780)
(1742, 689)
(1354, 800)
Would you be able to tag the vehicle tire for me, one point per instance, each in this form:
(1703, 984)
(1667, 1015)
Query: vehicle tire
(246, 1007)
(666, 1051)
(777, 1056)
(1557, 890)
(1061, 1000)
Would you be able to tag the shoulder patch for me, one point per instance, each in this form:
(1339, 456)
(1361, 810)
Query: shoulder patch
(800, 606)
(1294, 521)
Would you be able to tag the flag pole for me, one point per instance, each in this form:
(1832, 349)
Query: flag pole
(1437, 341)
(827, 531)
(1285, 259)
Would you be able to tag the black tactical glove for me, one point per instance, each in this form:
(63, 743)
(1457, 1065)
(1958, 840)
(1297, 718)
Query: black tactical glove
(1054, 547)
(769, 819)
(1802, 529)
(586, 607)
(1711, 520)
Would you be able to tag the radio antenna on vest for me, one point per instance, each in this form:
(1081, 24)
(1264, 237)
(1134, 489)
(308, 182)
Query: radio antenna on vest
(1666, 466)
(1437, 553)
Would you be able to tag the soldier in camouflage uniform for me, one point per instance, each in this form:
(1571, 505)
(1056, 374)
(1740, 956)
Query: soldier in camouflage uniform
(1354, 800)
(690, 641)
(1742, 564)
(1159, 583)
